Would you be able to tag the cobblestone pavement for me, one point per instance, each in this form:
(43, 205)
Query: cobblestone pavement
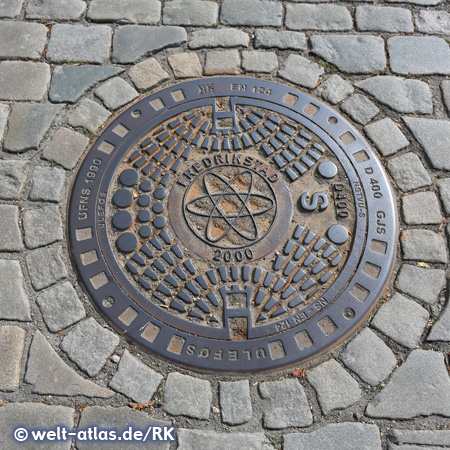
(68, 66)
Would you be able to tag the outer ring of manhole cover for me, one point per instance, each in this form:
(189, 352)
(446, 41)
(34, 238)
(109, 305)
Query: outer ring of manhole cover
(233, 225)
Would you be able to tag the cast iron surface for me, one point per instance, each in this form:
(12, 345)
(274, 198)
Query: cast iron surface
(233, 225)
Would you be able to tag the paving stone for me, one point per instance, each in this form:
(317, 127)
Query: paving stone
(352, 54)
(116, 93)
(36, 416)
(251, 12)
(134, 379)
(10, 235)
(444, 193)
(55, 9)
(66, 146)
(132, 42)
(402, 320)
(131, 11)
(283, 40)
(419, 55)
(433, 136)
(441, 329)
(119, 419)
(21, 80)
(79, 43)
(187, 396)
(369, 357)
(89, 345)
(20, 40)
(13, 299)
(301, 71)
(421, 209)
(335, 387)
(433, 22)
(70, 82)
(12, 342)
(421, 437)
(417, 2)
(334, 89)
(408, 172)
(287, 405)
(50, 375)
(357, 436)
(44, 275)
(318, 17)
(47, 184)
(420, 282)
(445, 87)
(13, 175)
(386, 135)
(360, 109)
(28, 124)
(235, 402)
(402, 95)
(410, 393)
(60, 307)
(185, 65)
(4, 113)
(227, 62)
(207, 440)
(423, 245)
(89, 115)
(388, 19)
(258, 61)
(149, 74)
(10, 8)
(224, 37)
(42, 226)
(191, 13)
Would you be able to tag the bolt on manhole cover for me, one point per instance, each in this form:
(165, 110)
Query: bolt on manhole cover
(233, 225)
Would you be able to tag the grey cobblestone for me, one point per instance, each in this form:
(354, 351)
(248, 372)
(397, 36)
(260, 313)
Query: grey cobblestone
(55, 9)
(404, 96)
(282, 40)
(44, 275)
(187, 396)
(28, 124)
(20, 40)
(89, 346)
(224, 37)
(387, 137)
(409, 392)
(235, 402)
(60, 307)
(42, 226)
(134, 379)
(10, 8)
(21, 80)
(419, 55)
(421, 209)
(418, 2)
(380, 18)
(10, 235)
(148, 74)
(70, 82)
(318, 17)
(66, 146)
(301, 71)
(352, 54)
(47, 184)
(445, 87)
(116, 93)
(402, 320)
(185, 65)
(287, 405)
(441, 329)
(259, 61)
(190, 13)
(334, 89)
(50, 375)
(420, 282)
(12, 342)
(360, 109)
(79, 43)
(251, 12)
(4, 113)
(206, 440)
(335, 387)
(89, 115)
(133, 11)
(408, 172)
(227, 62)
(421, 437)
(12, 179)
(423, 245)
(132, 42)
(444, 193)
(13, 299)
(433, 22)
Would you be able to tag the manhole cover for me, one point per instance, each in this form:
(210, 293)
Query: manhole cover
(233, 225)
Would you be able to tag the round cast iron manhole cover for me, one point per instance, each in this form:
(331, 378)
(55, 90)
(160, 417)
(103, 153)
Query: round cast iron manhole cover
(233, 225)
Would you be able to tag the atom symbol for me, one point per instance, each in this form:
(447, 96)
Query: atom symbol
(230, 206)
